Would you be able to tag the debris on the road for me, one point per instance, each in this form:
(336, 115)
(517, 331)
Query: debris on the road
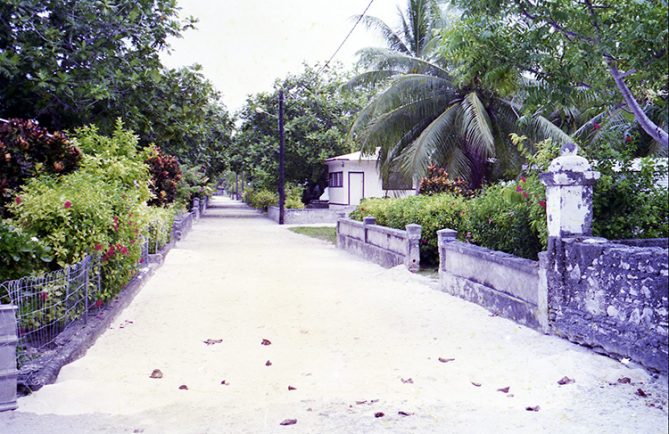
(268, 363)
(475, 384)
(445, 360)
(292, 388)
(404, 413)
(407, 381)
(535, 408)
(641, 393)
(213, 341)
(379, 414)
(225, 382)
(565, 380)
(266, 342)
(288, 422)
(625, 380)
(183, 387)
(504, 389)
(157, 373)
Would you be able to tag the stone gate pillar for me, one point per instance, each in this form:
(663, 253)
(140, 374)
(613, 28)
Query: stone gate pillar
(569, 182)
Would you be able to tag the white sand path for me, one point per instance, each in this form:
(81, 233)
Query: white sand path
(343, 331)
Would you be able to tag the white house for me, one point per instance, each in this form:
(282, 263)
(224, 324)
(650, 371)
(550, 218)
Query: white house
(355, 176)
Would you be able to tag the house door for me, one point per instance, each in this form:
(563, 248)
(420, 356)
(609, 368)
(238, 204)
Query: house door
(356, 187)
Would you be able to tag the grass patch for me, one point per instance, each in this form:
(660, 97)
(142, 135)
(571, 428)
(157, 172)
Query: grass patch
(328, 234)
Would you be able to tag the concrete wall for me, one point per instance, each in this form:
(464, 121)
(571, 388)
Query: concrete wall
(385, 246)
(506, 285)
(373, 186)
(611, 296)
(307, 215)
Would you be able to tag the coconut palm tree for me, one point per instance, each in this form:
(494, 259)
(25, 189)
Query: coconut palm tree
(422, 118)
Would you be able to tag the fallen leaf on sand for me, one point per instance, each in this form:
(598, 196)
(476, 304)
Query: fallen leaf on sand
(504, 389)
(266, 342)
(292, 388)
(535, 408)
(361, 402)
(445, 360)
(288, 422)
(475, 384)
(373, 401)
(625, 380)
(268, 363)
(225, 383)
(157, 373)
(641, 393)
(404, 413)
(407, 381)
(565, 380)
(183, 387)
(213, 341)
(379, 414)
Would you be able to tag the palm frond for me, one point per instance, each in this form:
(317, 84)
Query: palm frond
(393, 40)
(540, 128)
(477, 127)
(381, 58)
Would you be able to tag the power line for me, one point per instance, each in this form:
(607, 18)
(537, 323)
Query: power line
(346, 38)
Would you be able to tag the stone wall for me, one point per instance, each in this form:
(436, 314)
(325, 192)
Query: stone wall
(611, 296)
(386, 246)
(506, 285)
(306, 215)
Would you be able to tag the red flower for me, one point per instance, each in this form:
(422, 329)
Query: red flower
(596, 126)
(115, 224)
(124, 250)
(44, 296)
(18, 200)
(519, 188)
(542, 203)
(525, 195)
(523, 179)
(67, 204)
(628, 139)
(98, 303)
(98, 247)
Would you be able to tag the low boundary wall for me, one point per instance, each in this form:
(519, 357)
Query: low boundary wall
(305, 216)
(508, 286)
(386, 246)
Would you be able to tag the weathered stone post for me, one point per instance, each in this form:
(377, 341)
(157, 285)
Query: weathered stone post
(444, 236)
(412, 258)
(367, 221)
(196, 207)
(8, 372)
(569, 182)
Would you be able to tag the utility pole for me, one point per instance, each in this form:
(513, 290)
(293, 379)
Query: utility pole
(282, 169)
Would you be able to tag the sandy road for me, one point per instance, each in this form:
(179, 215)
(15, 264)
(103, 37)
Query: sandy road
(353, 339)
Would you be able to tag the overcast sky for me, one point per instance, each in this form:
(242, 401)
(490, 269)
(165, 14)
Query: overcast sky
(244, 45)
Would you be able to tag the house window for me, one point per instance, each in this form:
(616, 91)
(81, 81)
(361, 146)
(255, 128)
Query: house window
(336, 179)
(396, 181)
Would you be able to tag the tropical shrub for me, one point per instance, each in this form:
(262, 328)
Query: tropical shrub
(194, 183)
(264, 198)
(159, 226)
(20, 254)
(27, 150)
(165, 176)
(437, 181)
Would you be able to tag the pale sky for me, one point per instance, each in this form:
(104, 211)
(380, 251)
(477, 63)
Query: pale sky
(244, 45)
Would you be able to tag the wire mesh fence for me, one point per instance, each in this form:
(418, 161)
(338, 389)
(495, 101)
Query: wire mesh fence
(49, 303)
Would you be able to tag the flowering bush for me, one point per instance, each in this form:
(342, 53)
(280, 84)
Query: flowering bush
(165, 176)
(21, 254)
(437, 181)
(27, 150)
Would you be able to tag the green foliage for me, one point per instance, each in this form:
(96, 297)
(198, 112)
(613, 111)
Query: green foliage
(194, 183)
(437, 181)
(263, 198)
(20, 254)
(317, 120)
(159, 226)
(165, 176)
(27, 150)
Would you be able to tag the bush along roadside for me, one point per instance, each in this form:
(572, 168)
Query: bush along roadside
(263, 198)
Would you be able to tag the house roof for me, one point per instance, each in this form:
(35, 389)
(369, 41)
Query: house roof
(356, 156)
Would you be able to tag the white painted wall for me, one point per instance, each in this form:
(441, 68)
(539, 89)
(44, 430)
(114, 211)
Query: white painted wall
(373, 186)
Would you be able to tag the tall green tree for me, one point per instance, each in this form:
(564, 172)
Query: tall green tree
(317, 120)
(611, 51)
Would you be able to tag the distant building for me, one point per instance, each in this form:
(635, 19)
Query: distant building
(355, 176)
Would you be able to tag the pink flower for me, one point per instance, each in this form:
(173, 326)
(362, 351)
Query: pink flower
(98, 303)
(542, 203)
(98, 247)
(596, 126)
(519, 188)
(67, 204)
(44, 296)
(525, 195)
(523, 179)
(18, 200)
(115, 224)
(124, 250)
